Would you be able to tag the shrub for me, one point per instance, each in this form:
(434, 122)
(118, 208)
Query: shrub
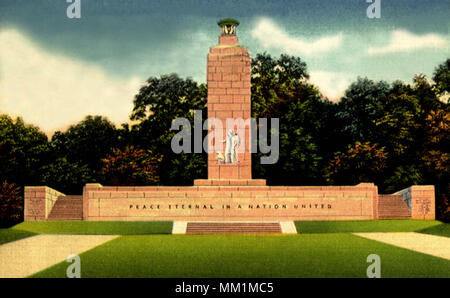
(11, 204)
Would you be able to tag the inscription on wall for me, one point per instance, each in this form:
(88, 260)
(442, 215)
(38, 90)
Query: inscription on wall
(169, 206)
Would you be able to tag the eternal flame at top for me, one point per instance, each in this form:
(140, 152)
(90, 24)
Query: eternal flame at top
(228, 26)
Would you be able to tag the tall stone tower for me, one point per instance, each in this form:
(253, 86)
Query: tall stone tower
(229, 90)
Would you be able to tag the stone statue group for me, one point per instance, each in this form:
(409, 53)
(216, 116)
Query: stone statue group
(231, 148)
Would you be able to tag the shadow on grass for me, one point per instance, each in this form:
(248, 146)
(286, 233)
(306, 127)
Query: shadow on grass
(8, 235)
(365, 226)
(97, 227)
(439, 230)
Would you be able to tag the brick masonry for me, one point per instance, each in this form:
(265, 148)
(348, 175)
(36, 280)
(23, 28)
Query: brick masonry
(229, 203)
(421, 201)
(228, 78)
(39, 201)
(205, 203)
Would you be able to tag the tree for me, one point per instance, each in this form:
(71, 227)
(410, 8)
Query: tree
(280, 90)
(130, 167)
(362, 162)
(435, 157)
(158, 103)
(436, 154)
(84, 145)
(274, 82)
(65, 176)
(424, 92)
(441, 77)
(360, 108)
(23, 150)
(11, 204)
(397, 131)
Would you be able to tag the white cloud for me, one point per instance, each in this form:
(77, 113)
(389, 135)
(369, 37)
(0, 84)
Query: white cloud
(331, 84)
(271, 36)
(53, 91)
(404, 41)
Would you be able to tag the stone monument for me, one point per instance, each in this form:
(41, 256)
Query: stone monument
(229, 94)
(229, 193)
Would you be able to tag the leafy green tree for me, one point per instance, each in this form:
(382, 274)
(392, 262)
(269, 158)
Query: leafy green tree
(158, 103)
(274, 82)
(426, 95)
(23, 150)
(436, 152)
(360, 108)
(280, 90)
(435, 156)
(85, 144)
(397, 129)
(441, 77)
(65, 176)
(396, 123)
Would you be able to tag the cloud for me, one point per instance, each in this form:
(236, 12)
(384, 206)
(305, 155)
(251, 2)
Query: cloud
(271, 36)
(331, 84)
(404, 41)
(53, 91)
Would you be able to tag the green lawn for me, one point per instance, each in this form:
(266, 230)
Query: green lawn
(8, 235)
(305, 255)
(440, 230)
(96, 227)
(26, 229)
(367, 226)
(321, 249)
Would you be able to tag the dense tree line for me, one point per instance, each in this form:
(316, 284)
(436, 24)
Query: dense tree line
(394, 135)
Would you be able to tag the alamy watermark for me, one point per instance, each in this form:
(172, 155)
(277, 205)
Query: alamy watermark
(74, 269)
(374, 9)
(238, 135)
(374, 269)
(74, 9)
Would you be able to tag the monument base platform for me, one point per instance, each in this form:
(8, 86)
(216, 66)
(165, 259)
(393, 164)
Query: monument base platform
(230, 202)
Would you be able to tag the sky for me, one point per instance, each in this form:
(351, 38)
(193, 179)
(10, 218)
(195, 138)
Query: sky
(55, 70)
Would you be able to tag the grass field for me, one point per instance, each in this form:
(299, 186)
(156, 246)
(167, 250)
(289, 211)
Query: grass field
(367, 226)
(27, 229)
(8, 235)
(96, 227)
(30, 228)
(442, 229)
(307, 255)
(321, 249)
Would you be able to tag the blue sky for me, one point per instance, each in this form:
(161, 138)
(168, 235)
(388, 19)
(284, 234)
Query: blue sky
(68, 68)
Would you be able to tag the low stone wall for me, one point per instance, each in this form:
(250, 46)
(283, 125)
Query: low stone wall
(230, 203)
(420, 200)
(39, 201)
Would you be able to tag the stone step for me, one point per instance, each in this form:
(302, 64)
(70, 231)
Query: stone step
(394, 217)
(392, 207)
(233, 228)
(405, 208)
(66, 218)
(67, 208)
(385, 213)
(66, 211)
